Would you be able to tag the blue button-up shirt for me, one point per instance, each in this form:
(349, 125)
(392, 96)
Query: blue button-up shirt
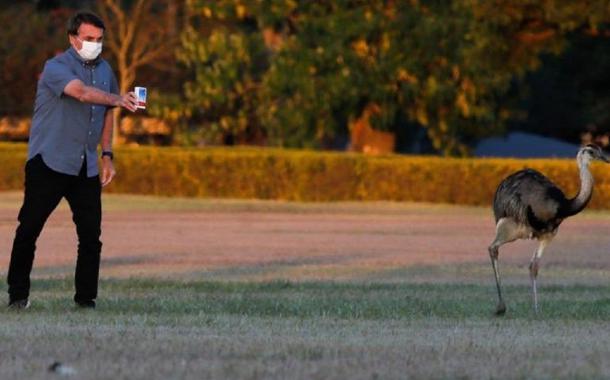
(64, 130)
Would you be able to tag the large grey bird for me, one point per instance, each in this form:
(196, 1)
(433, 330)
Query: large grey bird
(527, 205)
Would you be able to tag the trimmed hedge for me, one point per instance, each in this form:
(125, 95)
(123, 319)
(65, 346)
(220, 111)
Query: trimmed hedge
(12, 160)
(315, 176)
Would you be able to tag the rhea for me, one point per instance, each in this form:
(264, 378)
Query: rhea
(527, 205)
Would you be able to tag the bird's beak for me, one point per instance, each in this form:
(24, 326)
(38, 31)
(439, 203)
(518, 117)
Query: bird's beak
(605, 158)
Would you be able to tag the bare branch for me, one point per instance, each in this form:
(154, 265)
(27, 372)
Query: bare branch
(115, 8)
(114, 17)
(111, 40)
(134, 22)
(149, 57)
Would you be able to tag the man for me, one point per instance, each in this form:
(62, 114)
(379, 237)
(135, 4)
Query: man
(72, 114)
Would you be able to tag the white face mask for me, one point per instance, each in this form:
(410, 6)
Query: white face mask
(90, 50)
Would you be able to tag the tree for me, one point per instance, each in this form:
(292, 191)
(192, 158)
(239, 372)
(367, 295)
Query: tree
(22, 56)
(142, 34)
(227, 61)
(444, 66)
(447, 66)
(225, 84)
(402, 57)
(565, 93)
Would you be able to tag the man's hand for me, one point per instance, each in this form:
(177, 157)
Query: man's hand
(128, 101)
(108, 171)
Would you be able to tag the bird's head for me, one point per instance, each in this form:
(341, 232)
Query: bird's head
(591, 152)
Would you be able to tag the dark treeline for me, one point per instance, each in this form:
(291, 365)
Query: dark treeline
(438, 75)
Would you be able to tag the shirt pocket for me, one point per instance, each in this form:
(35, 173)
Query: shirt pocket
(103, 85)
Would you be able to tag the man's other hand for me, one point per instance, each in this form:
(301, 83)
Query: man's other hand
(108, 171)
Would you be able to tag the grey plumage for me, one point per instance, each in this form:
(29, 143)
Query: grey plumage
(528, 205)
(532, 200)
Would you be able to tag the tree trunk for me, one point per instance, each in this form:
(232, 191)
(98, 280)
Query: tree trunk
(125, 82)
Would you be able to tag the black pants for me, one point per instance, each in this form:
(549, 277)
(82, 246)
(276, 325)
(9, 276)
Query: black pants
(44, 188)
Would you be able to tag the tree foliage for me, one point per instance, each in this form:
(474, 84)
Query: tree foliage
(227, 65)
(445, 66)
(296, 73)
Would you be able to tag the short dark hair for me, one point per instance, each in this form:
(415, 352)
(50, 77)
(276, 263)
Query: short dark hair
(84, 17)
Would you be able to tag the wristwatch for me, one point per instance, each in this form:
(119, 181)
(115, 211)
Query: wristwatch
(108, 153)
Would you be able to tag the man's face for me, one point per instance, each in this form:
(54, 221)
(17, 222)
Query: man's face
(86, 32)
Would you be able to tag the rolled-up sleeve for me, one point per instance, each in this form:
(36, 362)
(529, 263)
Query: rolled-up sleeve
(56, 76)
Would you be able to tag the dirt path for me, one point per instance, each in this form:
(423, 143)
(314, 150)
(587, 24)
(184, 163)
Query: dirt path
(347, 242)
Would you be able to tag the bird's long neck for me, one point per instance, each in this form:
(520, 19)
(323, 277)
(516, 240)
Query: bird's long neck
(579, 202)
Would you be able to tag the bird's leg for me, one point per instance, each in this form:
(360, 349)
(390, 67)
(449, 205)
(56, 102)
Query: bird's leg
(534, 266)
(506, 231)
(493, 254)
(533, 275)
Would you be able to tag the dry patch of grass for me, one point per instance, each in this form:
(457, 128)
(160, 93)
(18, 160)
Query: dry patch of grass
(126, 202)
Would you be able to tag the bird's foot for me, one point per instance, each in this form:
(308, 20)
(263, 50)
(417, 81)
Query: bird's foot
(500, 309)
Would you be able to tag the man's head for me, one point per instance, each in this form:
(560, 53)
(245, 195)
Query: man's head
(86, 32)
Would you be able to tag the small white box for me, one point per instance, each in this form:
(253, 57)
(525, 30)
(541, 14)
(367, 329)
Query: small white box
(141, 97)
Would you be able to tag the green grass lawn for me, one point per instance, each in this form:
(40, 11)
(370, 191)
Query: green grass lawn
(159, 329)
(415, 322)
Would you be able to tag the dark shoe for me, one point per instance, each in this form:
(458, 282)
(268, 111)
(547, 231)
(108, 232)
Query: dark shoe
(88, 304)
(19, 304)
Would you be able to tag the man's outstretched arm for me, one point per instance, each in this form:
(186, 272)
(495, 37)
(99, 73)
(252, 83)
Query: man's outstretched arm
(88, 94)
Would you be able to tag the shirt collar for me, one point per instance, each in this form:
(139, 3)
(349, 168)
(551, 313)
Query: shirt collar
(91, 63)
